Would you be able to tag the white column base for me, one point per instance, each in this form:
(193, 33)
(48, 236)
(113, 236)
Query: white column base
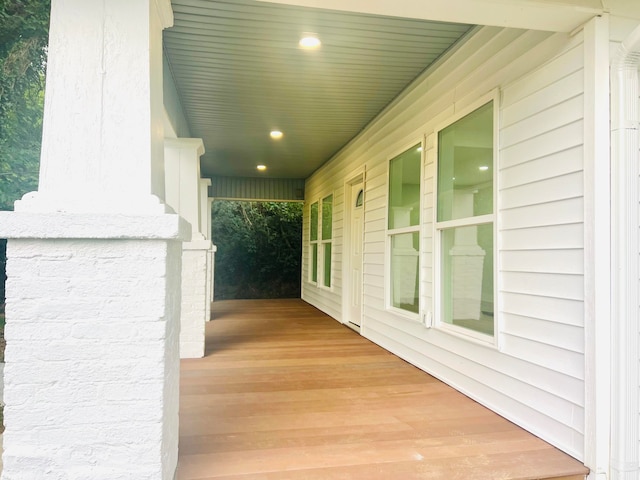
(92, 365)
(196, 307)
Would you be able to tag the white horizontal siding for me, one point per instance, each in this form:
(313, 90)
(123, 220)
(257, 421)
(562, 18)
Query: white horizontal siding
(238, 188)
(536, 377)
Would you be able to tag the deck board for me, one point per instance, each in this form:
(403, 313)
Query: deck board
(285, 392)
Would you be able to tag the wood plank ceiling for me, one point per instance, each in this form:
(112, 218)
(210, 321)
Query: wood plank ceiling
(240, 73)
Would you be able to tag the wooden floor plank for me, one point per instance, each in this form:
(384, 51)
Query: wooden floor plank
(285, 392)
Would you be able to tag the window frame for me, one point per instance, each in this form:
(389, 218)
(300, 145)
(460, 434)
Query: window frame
(440, 226)
(318, 245)
(390, 233)
(323, 243)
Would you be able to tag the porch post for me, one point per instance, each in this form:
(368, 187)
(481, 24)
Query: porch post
(212, 254)
(94, 259)
(625, 345)
(205, 229)
(182, 164)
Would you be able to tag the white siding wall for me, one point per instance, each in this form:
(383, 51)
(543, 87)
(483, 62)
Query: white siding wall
(536, 377)
(242, 188)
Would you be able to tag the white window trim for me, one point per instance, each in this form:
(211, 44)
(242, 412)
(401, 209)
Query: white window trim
(438, 227)
(415, 317)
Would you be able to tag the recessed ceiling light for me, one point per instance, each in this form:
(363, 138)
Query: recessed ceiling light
(309, 41)
(483, 168)
(261, 167)
(419, 149)
(276, 134)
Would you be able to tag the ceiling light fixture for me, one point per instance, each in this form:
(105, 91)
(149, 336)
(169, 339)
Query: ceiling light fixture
(483, 168)
(309, 41)
(262, 168)
(276, 134)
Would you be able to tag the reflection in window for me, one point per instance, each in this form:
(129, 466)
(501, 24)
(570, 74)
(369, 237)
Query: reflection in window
(314, 262)
(465, 203)
(313, 231)
(405, 268)
(465, 166)
(404, 230)
(327, 226)
(313, 241)
(467, 277)
(404, 189)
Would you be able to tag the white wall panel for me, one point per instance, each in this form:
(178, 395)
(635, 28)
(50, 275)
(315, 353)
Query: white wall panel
(536, 376)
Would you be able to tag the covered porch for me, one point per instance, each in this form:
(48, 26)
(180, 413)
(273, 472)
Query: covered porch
(285, 391)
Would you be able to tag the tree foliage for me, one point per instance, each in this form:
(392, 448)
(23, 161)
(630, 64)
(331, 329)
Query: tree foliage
(24, 26)
(259, 249)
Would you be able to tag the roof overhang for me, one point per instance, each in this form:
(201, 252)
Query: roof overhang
(239, 72)
(547, 15)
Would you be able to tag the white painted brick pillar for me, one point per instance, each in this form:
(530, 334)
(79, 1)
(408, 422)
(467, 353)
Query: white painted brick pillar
(182, 186)
(94, 261)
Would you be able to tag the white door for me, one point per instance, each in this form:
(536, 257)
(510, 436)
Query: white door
(355, 254)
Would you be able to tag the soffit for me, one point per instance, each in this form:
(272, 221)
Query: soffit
(547, 15)
(240, 73)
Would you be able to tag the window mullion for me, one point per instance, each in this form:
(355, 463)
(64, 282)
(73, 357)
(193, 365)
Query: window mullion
(468, 221)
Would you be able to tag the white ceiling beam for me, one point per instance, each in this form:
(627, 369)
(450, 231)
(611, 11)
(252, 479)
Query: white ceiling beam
(549, 15)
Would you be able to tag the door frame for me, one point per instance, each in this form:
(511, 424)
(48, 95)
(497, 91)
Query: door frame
(355, 177)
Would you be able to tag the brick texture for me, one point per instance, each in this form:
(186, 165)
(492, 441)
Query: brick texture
(91, 374)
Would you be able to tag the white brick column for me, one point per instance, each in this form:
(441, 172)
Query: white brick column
(94, 261)
(182, 186)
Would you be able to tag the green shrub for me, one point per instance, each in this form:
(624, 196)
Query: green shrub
(259, 249)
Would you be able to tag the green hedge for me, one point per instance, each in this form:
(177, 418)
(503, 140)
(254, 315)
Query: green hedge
(259, 249)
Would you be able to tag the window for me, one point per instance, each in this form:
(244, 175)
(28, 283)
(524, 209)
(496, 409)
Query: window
(320, 240)
(327, 225)
(465, 222)
(403, 230)
(313, 240)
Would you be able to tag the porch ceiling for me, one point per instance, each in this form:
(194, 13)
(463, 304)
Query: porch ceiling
(240, 73)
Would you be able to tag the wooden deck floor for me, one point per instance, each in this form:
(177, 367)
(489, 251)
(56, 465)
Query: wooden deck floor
(285, 392)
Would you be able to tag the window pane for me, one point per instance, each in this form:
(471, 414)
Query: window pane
(405, 270)
(314, 221)
(360, 198)
(327, 265)
(467, 277)
(327, 207)
(465, 166)
(404, 189)
(314, 262)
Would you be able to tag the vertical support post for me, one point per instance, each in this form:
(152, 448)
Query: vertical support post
(183, 185)
(597, 246)
(94, 261)
(212, 253)
(625, 142)
(205, 229)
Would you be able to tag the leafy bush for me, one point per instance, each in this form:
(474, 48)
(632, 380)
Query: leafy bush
(259, 249)
(24, 26)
